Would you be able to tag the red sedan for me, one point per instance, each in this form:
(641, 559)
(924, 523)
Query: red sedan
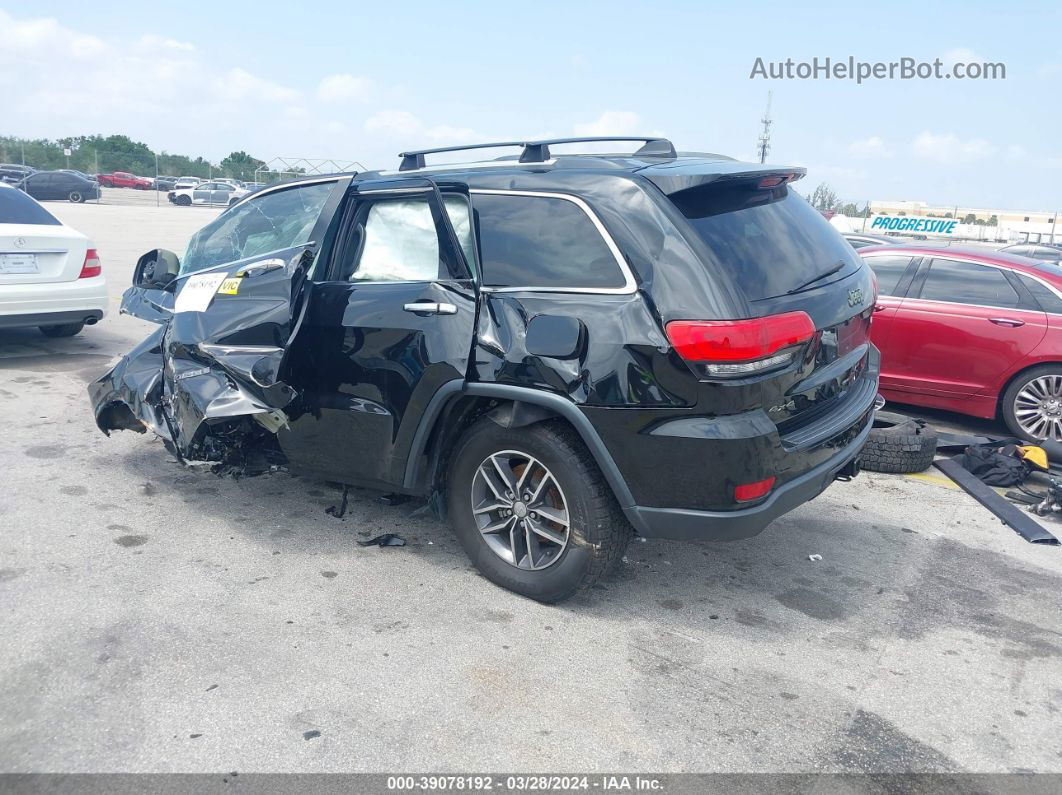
(123, 179)
(973, 331)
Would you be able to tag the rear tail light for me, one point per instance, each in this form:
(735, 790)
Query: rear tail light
(735, 348)
(91, 266)
(747, 492)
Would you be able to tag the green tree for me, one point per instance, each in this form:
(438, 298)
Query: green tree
(993, 221)
(970, 219)
(241, 165)
(823, 198)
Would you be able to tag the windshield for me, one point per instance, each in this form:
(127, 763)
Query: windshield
(770, 242)
(270, 222)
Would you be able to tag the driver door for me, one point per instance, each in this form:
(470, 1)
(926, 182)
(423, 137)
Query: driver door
(389, 321)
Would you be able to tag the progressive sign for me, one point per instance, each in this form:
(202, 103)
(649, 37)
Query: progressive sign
(901, 223)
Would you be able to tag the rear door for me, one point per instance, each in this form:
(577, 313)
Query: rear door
(389, 322)
(962, 326)
(894, 273)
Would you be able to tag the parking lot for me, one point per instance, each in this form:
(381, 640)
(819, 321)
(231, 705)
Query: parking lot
(164, 619)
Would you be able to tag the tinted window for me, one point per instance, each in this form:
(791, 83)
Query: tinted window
(1045, 297)
(535, 241)
(768, 242)
(18, 208)
(967, 283)
(270, 222)
(1047, 253)
(889, 271)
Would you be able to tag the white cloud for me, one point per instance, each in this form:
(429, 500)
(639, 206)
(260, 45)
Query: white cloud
(343, 87)
(962, 55)
(239, 84)
(950, 149)
(154, 43)
(404, 124)
(611, 122)
(868, 148)
(29, 35)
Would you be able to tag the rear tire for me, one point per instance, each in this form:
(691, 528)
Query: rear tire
(76, 197)
(63, 330)
(898, 444)
(1038, 390)
(183, 201)
(569, 484)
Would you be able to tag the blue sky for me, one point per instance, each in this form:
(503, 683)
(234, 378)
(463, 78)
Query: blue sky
(360, 81)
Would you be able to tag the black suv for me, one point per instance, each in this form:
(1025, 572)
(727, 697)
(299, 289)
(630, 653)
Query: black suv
(557, 350)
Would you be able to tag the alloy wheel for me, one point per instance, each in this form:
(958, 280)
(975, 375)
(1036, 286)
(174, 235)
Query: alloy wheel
(520, 510)
(1038, 407)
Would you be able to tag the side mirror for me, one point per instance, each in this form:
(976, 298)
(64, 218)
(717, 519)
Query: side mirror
(156, 270)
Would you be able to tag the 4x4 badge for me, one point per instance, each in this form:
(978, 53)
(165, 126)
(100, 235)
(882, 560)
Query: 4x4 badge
(855, 297)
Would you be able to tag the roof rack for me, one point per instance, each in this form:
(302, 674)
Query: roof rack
(538, 151)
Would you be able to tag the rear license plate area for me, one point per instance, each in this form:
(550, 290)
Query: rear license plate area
(18, 263)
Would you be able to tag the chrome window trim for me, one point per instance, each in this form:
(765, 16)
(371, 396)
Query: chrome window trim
(629, 284)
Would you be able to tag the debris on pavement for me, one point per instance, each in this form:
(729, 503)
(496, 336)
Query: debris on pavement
(1016, 519)
(384, 540)
(341, 511)
(814, 558)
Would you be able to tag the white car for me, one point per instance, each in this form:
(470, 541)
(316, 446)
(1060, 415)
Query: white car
(186, 182)
(50, 274)
(207, 193)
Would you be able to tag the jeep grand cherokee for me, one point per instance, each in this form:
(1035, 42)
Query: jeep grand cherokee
(557, 350)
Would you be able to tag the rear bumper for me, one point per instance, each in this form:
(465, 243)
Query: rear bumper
(23, 305)
(683, 524)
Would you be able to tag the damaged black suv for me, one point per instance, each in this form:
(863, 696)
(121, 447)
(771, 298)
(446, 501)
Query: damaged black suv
(558, 350)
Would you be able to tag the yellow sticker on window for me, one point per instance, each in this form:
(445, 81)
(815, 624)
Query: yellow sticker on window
(230, 286)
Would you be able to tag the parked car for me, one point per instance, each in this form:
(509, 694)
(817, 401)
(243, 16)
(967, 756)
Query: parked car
(973, 331)
(62, 185)
(13, 172)
(165, 183)
(207, 193)
(123, 179)
(50, 275)
(82, 174)
(674, 344)
(1052, 252)
(859, 240)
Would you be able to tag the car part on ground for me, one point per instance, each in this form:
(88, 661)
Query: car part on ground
(363, 329)
(1009, 514)
(899, 444)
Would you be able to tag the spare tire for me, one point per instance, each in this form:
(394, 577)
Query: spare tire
(899, 444)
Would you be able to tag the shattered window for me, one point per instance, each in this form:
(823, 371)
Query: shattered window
(401, 242)
(277, 220)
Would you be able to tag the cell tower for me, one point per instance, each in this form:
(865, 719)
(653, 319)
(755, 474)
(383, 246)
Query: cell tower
(765, 137)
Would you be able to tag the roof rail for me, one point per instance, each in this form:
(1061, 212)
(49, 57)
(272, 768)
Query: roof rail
(538, 151)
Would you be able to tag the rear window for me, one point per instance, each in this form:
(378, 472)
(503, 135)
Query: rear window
(768, 242)
(18, 208)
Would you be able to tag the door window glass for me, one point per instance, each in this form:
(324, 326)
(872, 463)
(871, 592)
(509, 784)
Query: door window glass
(276, 220)
(968, 283)
(889, 271)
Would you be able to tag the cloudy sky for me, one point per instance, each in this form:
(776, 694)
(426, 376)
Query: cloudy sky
(362, 81)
